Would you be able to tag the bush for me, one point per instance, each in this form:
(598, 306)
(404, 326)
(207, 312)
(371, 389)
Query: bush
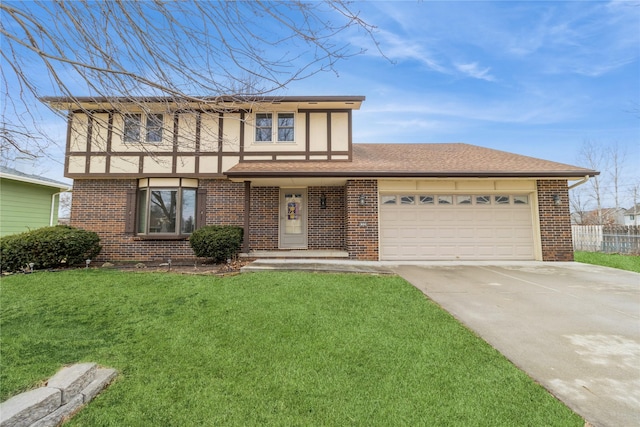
(217, 242)
(48, 247)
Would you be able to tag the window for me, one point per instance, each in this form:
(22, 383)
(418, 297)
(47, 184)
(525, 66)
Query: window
(520, 200)
(483, 200)
(264, 127)
(426, 200)
(285, 127)
(501, 200)
(152, 132)
(132, 124)
(445, 200)
(463, 200)
(407, 200)
(388, 200)
(154, 127)
(166, 210)
(283, 133)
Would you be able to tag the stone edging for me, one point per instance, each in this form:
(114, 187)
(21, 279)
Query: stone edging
(60, 398)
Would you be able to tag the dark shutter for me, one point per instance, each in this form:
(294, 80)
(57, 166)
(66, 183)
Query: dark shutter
(130, 219)
(201, 206)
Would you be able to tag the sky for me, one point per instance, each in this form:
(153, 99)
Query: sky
(534, 78)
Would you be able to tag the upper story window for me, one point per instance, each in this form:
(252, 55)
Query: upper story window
(151, 132)
(283, 131)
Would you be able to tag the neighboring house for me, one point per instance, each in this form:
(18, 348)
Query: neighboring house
(606, 216)
(286, 169)
(632, 215)
(27, 201)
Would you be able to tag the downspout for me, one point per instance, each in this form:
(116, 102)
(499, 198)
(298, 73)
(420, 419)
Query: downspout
(582, 181)
(53, 204)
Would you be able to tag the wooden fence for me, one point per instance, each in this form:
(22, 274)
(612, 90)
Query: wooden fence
(623, 239)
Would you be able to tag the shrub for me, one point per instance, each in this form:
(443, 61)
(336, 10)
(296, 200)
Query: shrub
(48, 247)
(217, 242)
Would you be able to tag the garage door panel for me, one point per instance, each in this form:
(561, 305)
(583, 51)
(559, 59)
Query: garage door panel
(423, 232)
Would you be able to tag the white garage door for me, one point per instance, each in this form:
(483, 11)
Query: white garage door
(451, 227)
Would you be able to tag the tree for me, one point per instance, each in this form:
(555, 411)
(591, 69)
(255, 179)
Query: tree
(593, 156)
(187, 51)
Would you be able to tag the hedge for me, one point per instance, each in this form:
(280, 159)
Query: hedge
(48, 247)
(217, 242)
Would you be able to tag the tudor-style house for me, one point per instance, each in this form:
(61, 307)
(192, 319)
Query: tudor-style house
(148, 172)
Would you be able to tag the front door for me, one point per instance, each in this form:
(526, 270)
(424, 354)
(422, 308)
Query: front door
(293, 218)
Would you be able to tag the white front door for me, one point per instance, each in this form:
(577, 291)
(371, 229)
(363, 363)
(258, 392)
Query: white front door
(293, 218)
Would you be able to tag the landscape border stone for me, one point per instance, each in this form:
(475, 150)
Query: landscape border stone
(60, 398)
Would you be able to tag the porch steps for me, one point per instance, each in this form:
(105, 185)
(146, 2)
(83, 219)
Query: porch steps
(296, 253)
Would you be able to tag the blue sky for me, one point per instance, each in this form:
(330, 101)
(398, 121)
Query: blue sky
(534, 78)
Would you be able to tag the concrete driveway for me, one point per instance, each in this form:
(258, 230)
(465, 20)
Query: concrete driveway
(573, 327)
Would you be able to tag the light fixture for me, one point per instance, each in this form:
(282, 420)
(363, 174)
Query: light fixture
(323, 201)
(362, 200)
(556, 199)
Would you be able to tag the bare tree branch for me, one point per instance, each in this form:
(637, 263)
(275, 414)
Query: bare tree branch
(184, 50)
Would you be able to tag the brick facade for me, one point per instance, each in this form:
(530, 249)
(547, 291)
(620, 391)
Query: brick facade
(326, 226)
(362, 219)
(264, 218)
(100, 205)
(555, 221)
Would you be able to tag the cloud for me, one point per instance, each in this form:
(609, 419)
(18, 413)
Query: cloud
(473, 70)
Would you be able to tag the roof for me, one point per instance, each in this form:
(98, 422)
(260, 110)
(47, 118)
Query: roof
(633, 210)
(415, 160)
(224, 101)
(16, 175)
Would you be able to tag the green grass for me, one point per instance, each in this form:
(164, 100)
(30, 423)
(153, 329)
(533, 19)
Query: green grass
(622, 262)
(262, 349)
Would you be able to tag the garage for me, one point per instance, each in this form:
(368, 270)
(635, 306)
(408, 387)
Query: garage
(456, 226)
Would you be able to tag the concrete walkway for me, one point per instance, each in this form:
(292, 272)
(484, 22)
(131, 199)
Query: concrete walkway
(574, 328)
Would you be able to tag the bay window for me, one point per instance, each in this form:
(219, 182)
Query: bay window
(166, 206)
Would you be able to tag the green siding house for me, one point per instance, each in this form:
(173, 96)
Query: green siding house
(27, 201)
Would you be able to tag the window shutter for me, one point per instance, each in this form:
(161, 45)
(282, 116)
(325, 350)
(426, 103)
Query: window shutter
(201, 206)
(130, 219)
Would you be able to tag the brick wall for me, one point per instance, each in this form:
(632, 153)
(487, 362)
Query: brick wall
(326, 226)
(264, 218)
(100, 205)
(362, 220)
(555, 221)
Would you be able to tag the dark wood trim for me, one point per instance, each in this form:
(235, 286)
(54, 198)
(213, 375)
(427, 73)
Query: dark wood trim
(87, 160)
(307, 134)
(196, 164)
(109, 143)
(176, 129)
(68, 148)
(221, 139)
(350, 126)
(324, 110)
(329, 134)
(247, 217)
(141, 158)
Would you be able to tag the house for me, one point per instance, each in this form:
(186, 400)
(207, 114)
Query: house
(632, 215)
(604, 216)
(27, 201)
(147, 172)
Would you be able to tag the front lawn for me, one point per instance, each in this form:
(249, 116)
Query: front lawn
(262, 349)
(622, 262)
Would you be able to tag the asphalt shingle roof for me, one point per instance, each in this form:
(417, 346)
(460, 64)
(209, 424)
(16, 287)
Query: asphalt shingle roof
(416, 160)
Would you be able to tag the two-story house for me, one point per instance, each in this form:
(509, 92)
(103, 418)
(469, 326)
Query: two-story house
(148, 172)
